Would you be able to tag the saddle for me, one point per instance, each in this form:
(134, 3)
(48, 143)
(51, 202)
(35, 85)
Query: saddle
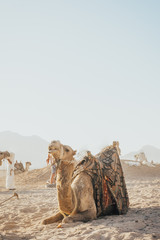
(107, 177)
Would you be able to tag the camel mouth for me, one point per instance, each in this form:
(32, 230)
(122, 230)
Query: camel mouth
(53, 154)
(52, 150)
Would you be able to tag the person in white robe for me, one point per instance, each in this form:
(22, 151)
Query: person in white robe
(10, 172)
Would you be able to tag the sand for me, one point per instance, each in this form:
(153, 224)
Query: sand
(21, 218)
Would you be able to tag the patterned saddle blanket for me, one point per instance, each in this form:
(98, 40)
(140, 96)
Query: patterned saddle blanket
(107, 176)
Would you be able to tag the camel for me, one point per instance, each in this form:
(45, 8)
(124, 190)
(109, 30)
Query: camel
(79, 190)
(141, 158)
(28, 164)
(3, 155)
(20, 168)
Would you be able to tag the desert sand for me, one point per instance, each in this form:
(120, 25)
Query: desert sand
(21, 218)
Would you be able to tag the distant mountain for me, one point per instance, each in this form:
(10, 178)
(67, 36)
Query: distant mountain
(34, 149)
(26, 148)
(152, 153)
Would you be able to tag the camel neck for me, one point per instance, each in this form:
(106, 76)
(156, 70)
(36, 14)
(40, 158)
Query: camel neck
(64, 174)
(12, 155)
(64, 178)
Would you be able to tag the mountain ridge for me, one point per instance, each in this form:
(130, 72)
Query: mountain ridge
(35, 149)
(26, 148)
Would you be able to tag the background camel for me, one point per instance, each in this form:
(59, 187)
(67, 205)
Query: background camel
(78, 199)
(18, 165)
(4, 155)
(20, 168)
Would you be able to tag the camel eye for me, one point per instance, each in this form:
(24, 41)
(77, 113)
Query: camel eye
(66, 149)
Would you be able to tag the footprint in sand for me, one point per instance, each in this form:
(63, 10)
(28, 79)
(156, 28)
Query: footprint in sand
(28, 210)
(10, 225)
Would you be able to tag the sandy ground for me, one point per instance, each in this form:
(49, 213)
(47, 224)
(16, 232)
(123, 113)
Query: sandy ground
(21, 218)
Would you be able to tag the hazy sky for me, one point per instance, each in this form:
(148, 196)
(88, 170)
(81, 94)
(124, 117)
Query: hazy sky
(84, 72)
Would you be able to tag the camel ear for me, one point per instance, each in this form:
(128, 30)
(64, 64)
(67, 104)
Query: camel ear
(74, 152)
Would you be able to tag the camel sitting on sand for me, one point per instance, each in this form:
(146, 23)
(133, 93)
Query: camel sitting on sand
(93, 188)
(20, 168)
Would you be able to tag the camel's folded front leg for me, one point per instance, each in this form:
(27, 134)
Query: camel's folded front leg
(57, 217)
(83, 216)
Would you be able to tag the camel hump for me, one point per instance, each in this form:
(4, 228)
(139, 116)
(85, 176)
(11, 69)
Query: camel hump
(106, 172)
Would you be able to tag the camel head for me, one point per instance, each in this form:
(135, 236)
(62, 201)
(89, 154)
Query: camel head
(28, 163)
(3, 155)
(60, 152)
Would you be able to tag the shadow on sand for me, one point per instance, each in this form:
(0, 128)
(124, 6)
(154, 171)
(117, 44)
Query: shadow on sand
(13, 236)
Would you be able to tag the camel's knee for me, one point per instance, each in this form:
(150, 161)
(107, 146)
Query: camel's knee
(45, 221)
(85, 216)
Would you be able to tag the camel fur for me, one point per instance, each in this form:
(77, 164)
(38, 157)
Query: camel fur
(4, 155)
(75, 189)
(20, 168)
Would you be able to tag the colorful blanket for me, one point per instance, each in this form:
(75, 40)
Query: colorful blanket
(107, 177)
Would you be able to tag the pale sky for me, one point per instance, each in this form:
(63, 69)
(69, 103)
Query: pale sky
(83, 72)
